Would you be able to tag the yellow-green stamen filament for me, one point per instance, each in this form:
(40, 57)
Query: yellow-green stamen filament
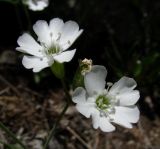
(102, 102)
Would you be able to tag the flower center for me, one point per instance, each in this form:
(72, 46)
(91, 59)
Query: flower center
(52, 50)
(103, 102)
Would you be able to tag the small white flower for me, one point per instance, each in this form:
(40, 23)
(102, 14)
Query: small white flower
(36, 5)
(115, 104)
(54, 39)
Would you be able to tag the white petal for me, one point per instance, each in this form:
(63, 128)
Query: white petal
(121, 121)
(130, 114)
(85, 109)
(92, 99)
(38, 5)
(79, 95)
(95, 80)
(101, 122)
(42, 30)
(125, 84)
(36, 63)
(105, 125)
(128, 98)
(70, 33)
(28, 45)
(65, 56)
(56, 26)
(95, 118)
(124, 116)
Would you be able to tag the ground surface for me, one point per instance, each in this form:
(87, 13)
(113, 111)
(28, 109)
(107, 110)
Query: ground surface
(29, 111)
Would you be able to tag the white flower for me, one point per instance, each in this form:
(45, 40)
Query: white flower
(115, 104)
(36, 5)
(54, 39)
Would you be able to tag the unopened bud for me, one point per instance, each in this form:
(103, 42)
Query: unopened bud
(85, 66)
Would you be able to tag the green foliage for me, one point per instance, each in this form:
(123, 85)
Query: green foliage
(78, 80)
(12, 146)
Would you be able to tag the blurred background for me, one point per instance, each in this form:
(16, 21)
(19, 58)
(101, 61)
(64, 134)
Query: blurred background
(122, 35)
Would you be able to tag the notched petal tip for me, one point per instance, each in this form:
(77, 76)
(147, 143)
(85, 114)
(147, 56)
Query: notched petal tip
(96, 75)
(128, 98)
(56, 20)
(129, 82)
(136, 115)
(124, 85)
(79, 95)
(105, 125)
(99, 68)
(72, 23)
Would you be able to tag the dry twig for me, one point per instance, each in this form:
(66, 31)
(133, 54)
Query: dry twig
(78, 137)
(10, 85)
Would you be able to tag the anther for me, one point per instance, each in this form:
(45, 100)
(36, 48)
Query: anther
(109, 84)
(59, 36)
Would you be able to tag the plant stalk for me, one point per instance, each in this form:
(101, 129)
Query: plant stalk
(52, 132)
(4, 128)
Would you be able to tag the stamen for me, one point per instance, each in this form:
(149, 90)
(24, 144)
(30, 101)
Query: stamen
(43, 44)
(105, 104)
(102, 102)
(59, 36)
(67, 43)
(109, 84)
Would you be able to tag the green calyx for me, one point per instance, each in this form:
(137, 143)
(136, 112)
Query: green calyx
(102, 102)
(84, 67)
(58, 70)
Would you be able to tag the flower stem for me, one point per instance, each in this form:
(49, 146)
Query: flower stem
(6, 145)
(27, 17)
(66, 90)
(19, 21)
(4, 128)
(55, 126)
(68, 101)
(10, 1)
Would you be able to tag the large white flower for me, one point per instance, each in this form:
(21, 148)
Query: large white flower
(115, 104)
(53, 41)
(36, 5)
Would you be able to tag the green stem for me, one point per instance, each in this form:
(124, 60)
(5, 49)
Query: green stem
(10, 1)
(6, 145)
(66, 90)
(55, 126)
(19, 21)
(58, 71)
(3, 127)
(27, 17)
